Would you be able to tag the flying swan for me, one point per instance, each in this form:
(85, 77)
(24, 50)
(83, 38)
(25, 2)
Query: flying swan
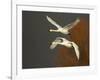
(65, 29)
(66, 43)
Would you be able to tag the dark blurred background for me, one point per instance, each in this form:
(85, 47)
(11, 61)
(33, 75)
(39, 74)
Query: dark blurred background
(36, 40)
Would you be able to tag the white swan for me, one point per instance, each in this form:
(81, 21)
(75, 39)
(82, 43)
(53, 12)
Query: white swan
(66, 43)
(65, 29)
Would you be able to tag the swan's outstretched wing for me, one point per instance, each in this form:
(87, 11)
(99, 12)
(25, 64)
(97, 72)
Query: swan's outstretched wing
(55, 43)
(53, 22)
(53, 46)
(76, 48)
(71, 25)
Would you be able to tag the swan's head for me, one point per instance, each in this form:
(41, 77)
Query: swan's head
(51, 30)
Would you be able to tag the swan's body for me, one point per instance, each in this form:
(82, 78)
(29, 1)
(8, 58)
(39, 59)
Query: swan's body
(66, 43)
(65, 29)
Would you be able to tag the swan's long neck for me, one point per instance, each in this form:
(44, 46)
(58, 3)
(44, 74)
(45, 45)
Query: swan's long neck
(51, 30)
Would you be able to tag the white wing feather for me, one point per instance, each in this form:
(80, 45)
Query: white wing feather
(53, 46)
(71, 25)
(76, 48)
(55, 43)
(53, 22)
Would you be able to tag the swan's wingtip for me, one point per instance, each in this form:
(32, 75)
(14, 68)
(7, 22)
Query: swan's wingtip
(78, 19)
(78, 57)
(47, 17)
